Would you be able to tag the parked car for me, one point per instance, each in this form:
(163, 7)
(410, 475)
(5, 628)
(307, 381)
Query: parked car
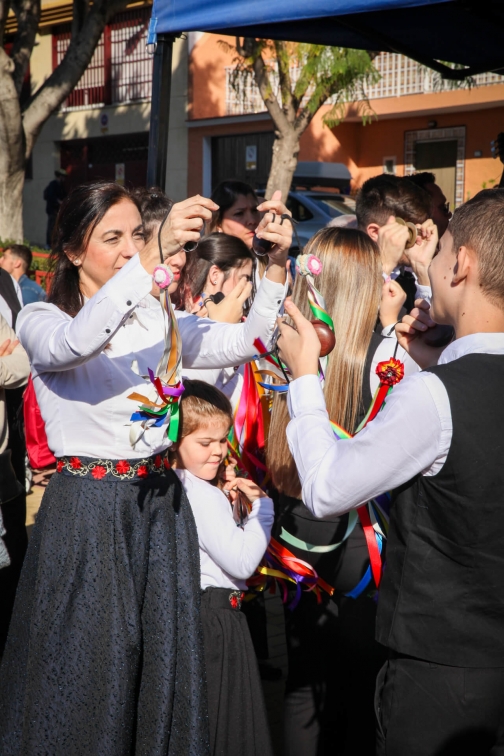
(312, 210)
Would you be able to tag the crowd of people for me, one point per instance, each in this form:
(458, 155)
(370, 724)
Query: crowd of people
(199, 434)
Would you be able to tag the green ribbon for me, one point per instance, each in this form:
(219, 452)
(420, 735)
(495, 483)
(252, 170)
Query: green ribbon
(322, 315)
(304, 546)
(173, 428)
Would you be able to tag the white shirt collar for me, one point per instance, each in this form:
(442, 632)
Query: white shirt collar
(482, 343)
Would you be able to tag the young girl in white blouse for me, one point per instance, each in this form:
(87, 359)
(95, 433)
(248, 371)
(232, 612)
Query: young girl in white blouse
(229, 554)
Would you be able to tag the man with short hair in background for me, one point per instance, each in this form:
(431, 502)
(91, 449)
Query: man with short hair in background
(17, 260)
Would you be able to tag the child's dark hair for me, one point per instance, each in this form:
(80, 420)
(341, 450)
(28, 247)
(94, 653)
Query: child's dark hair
(202, 403)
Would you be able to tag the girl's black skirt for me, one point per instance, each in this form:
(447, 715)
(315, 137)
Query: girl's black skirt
(236, 710)
(104, 654)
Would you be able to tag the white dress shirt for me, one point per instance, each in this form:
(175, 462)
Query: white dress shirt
(84, 368)
(228, 554)
(411, 435)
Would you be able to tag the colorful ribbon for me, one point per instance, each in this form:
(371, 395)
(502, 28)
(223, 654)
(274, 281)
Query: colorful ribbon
(167, 381)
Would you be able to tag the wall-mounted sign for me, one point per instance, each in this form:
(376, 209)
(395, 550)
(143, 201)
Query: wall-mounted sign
(251, 157)
(104, 123)
(120, 172)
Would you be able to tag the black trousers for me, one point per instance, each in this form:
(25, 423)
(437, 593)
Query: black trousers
(333, 663)
(426, 709)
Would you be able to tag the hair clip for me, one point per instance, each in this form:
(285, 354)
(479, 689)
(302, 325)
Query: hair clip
(163, 276)
(308, 265)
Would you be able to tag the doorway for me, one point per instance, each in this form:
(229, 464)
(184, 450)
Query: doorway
(438, 151)
(439, 158)
(244, 157)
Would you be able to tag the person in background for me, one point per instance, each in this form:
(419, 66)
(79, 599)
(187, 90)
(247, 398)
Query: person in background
(154, 207)
(14, 372)
(238, 215)
(17, 260)
(333, 658)
(440, 207)
(228, 556)
(380, 201)
(54, 194)
(440, 609)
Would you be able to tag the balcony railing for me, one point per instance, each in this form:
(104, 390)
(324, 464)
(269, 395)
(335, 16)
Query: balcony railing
(400, 76)
(120, 70)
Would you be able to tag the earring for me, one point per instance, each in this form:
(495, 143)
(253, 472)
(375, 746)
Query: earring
(76, 262)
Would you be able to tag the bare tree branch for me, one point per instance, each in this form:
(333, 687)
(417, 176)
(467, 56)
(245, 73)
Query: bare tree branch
(289, 103)
(63, 79)
(28, 17)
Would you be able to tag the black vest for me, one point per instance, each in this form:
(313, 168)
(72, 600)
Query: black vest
(440, 598)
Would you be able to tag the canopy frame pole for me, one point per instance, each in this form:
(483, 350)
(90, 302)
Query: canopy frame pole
(160, 111)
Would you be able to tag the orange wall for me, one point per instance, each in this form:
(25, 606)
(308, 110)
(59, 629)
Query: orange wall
(361, 148)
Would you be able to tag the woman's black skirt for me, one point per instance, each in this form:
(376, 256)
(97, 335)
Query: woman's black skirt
(104, 654)
(236, 710)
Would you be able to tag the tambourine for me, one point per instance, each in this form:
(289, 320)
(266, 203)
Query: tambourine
(412, 231)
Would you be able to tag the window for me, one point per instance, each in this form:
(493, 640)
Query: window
(120, 69)
(389, 165)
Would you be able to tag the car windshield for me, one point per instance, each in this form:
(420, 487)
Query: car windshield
(332, 206)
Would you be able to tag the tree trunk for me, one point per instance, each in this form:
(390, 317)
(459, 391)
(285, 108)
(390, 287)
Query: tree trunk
(12, 161)
(283, 164)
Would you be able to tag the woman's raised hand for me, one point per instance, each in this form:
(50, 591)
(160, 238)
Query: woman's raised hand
(270, 228)
(184, 223)
(230, 309)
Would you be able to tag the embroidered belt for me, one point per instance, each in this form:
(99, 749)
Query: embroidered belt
(235, 599)
(122, 469)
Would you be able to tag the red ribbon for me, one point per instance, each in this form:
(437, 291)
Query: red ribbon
(374, 552)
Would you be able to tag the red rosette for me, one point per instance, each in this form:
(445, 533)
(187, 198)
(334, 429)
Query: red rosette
(142, 471)
(98, 472)
(75, 463)
(60, 465)
(390, 371)
(122, 467)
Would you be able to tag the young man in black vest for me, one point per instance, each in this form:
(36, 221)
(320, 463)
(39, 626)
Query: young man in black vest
(438, 445)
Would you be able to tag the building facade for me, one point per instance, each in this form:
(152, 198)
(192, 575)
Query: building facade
(419, 124)
(102, 129)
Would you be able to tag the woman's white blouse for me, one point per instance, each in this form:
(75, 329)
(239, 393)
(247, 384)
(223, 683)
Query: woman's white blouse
(228, 554)
(84, 368)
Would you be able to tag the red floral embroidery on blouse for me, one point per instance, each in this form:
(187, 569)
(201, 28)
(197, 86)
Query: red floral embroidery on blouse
(60, 465)
(98, 472)
(234, 602)
(75, 463)
(166, 463)
(122, 467)
(157, 461)
(142, 471)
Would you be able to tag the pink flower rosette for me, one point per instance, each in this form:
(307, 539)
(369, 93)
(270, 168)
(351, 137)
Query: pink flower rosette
(308, 265)
(163, 276)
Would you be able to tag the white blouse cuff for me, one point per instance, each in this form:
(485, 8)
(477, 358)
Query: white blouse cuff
(305, 395)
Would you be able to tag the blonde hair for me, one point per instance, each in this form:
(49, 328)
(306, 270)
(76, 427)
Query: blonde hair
(351, 284)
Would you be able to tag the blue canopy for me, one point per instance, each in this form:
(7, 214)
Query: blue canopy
(467, 32)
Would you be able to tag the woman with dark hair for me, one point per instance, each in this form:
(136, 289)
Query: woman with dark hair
(217, 265)
(104, 651)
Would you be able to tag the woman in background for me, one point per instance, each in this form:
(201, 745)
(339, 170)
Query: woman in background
(333, 657)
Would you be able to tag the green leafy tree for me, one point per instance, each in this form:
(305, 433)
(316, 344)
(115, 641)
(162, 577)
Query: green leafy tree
(295, 80)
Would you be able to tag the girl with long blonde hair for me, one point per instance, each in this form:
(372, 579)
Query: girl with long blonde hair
(333, 658)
